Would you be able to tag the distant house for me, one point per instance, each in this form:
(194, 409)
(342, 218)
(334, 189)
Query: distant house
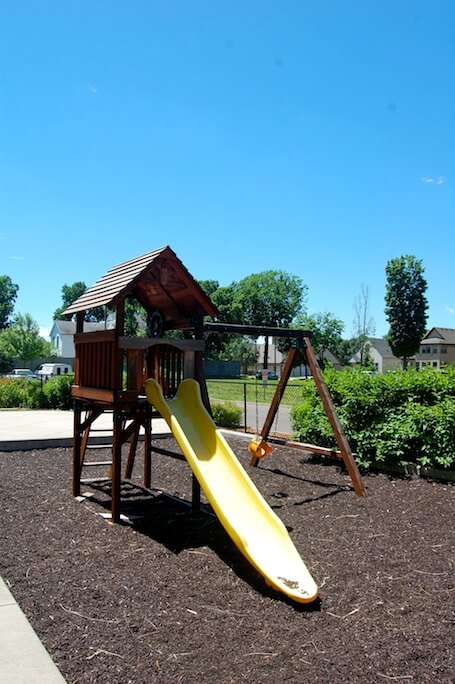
(276, 360)
(437, 348)
(381, 355)
(62, 336)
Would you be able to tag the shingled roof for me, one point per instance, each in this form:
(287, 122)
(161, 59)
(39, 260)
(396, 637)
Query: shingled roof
(438, 335)
(158, 280)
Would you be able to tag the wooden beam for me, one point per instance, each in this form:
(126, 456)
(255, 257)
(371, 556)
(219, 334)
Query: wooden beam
(343, 444)
(116, 473)
(255, 330)
(77, 441)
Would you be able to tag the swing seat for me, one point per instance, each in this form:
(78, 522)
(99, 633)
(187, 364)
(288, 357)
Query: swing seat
(259, 448)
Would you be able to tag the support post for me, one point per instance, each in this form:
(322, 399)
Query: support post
(343, 444)
(77, 443)
(147, 451)
(116, 466)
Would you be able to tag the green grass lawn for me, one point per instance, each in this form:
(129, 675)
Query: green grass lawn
(235, 389)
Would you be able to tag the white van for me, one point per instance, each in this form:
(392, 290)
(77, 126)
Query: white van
(52, 370)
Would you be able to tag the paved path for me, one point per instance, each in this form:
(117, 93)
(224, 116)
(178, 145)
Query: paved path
(23, 658)
(255, 417)
(44, 429)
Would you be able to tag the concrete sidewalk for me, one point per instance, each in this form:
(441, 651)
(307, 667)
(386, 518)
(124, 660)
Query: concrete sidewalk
(23, 658)
(23, 430)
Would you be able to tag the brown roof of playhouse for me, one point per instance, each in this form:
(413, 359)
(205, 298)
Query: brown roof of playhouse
(158, 280)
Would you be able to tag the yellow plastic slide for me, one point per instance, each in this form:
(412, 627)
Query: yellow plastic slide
(250, 522)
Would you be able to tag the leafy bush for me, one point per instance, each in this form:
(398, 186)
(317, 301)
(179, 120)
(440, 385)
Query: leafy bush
(13, 393)
(310, 422)
(227, 415)
(401, 417)
(53, 394)
(57, 392)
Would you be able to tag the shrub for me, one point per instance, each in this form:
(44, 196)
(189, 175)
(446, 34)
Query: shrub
(401, 417)
(227, 415)
(53, 394)
(57, 392)
(13, 393)
(310, 422)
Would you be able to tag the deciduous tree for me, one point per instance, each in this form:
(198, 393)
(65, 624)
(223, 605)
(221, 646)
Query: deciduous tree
(69, 295)
(406, 305)
(363, 324)
(326, 332)
(270, 298)
(22, 340)
(8, 294)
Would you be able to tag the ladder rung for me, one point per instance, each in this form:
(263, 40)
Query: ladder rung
(89, 480)
(97, 463)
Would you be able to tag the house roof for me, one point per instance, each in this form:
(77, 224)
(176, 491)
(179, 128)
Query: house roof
(158, 280)
(381, 345)
(438, 335)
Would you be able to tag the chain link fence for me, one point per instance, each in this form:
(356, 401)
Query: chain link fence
(254, 399)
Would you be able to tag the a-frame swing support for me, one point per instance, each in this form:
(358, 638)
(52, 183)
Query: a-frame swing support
(302, 338)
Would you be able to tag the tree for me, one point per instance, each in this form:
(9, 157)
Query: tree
(239, 348)
(326, 332)
(406, 305)
(69, 295)
(270, 298)
(345, 350)
(209, 286)
(135, 319)
(8, 294)
(22, 340)
(363, 324)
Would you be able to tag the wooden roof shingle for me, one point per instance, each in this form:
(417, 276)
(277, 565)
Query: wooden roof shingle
(158, 280)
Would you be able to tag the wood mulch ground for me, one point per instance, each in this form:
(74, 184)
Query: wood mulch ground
(168, 598)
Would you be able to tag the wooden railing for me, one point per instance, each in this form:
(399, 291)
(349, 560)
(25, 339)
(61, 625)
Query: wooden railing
(97, 360)
(109, 368)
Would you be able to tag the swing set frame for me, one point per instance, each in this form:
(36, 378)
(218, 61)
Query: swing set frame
(259, 447)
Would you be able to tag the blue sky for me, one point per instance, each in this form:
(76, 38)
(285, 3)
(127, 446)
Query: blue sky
(312, 137)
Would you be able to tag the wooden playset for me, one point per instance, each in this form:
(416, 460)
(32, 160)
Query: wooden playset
(111, 368)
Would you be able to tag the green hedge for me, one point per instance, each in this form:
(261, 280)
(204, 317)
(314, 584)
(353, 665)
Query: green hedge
(398, 418)
(53, 394)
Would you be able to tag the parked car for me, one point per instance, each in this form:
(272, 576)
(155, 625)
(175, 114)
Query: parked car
(270, 375)
(21, 373)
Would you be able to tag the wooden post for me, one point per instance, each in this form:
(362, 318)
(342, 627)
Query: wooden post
(343, 444)
(116, 465)
(147, 450)
(77, 443)
(199, 375)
